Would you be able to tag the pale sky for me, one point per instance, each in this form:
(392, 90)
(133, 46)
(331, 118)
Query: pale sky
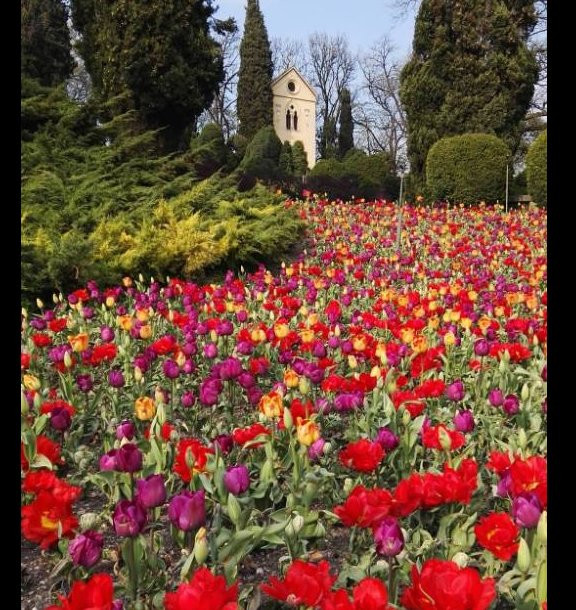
(362, 21)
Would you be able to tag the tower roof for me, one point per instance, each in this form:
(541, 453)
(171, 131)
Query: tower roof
(299, 75)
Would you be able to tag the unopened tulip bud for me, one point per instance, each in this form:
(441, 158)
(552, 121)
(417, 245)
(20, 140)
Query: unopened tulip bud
(522, 439)
(348, 485)
(24, 407)
(461, 559)
(138, 374)
(327, 448)
(39, 304)
(304, 385)
(444, 438)
(525, 392)
(267, 471)
(67, 360)
(542, 583)
(88, 521)
(542, 528)
(55, 299)
(288, 420)
(524, 560)
(295, 525)
(201, 548)
(406, 418)
(37, 401)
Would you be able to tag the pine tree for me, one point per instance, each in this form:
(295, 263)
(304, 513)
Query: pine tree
(160, 53)
(254, 105)
(470, 71)
(299, 158)
(45, 50)
(286, 162)
(328, 139)
(346, 133)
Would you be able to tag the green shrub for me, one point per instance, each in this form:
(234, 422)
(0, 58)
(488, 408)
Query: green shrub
(358, 175)
(468, 168)
(299, 159)
(208, 151)
(286, 163)
(536, 169)
(262, 156)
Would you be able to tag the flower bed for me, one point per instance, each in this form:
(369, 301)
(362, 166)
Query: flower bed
(390, 406)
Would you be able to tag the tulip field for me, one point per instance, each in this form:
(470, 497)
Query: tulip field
(363, 430)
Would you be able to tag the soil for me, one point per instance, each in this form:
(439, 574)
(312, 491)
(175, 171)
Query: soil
(39, 589)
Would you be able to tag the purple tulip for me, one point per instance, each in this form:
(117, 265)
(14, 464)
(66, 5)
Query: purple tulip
(544, 373)
(481, 347)
(86, 549)
(242, 316)
(231, 368)
(171, 369)
(464, 421)
(224, 442)
(84, 382)
(224, 328)
(526, 510)
(237, 479)
(387, 439)
(348, 401)
(210, 391)
(128, 458)
(244, 347)
(504, 487)
(388, 537)
(60, 419)
(246, 380)
(106, 334)
(187, 511)
(496, 397)
(108, 460)
(151, 491)
(455, 391)
(129, 518)
(188, 399)
(125, 429)
(210, 350)
(316, 449)
(511, 404)
(116, 378)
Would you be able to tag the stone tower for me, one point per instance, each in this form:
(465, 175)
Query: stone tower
(295, 111)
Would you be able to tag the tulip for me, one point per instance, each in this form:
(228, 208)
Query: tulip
(224, 442)
(171, 369)
(387, 439)
(481, 347)
(128, 458)
(237, 479)
(86, 549)
(116, 378)
(496, 397)
(388, 537)
(316, 449)
(464, 421)
(455, 391)
(129, 518)
(151, 491)
(511, 404)
(526, 510)
(187, 511)
(60, 419)
(106, 334)
(125, 429)
(84, 382)
(108, 460)
(210, 350)
(188, 399)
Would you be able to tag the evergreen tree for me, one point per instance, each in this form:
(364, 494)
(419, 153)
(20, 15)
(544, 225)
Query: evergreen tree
(160, 53)
(254, 105)
(328, 139)
(470, 71)
(45, 41)
(346, 133)
(299, 159)
(286, 162)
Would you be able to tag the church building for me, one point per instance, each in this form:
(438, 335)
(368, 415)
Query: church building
(295, 111)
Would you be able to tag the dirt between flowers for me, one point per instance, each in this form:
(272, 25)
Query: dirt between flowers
(38, 589)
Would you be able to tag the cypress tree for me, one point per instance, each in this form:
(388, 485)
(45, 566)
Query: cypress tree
(299, 158)
(286, 162)
(470, 71)
(254, 105)
(161, 54)
(45, 49)
(346, 133)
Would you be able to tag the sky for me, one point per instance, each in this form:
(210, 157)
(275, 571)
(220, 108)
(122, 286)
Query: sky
(362, 21)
